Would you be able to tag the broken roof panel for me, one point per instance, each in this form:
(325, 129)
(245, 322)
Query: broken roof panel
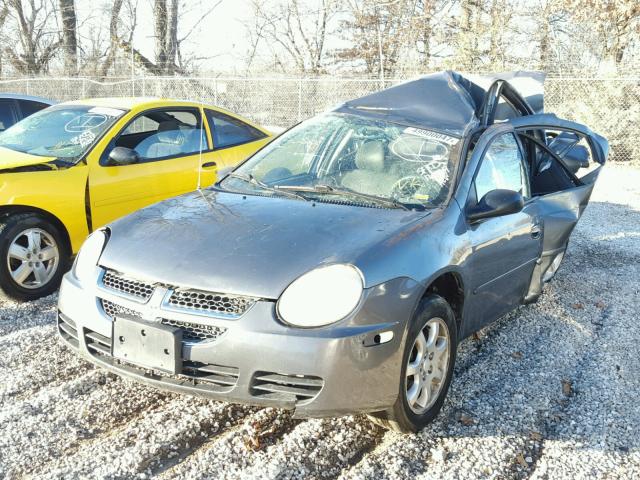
(447, 102)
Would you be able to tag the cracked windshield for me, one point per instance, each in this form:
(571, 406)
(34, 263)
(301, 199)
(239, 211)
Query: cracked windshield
(65, 133)
(361, 161)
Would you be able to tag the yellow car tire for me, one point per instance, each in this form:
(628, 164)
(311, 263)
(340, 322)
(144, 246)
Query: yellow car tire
(34, 254)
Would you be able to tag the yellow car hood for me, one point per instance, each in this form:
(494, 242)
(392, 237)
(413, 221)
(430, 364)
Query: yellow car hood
(13, 159)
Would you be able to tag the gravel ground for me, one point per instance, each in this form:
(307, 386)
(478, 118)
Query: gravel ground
(549, 391)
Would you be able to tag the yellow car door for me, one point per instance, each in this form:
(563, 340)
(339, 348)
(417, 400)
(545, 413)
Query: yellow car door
(157, 155)
(233, 138)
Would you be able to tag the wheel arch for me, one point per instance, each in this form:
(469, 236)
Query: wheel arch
(8, 210)
(448, 284)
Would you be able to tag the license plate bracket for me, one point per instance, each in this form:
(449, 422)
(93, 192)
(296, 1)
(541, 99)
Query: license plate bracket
(147, 344)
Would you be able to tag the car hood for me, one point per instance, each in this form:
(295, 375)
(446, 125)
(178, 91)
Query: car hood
(251, 245)
(13, 159)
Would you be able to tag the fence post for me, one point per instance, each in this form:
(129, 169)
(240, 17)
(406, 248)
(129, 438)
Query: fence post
(215, 91)
(299, 99)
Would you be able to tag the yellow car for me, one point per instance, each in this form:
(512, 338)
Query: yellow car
(73, 167)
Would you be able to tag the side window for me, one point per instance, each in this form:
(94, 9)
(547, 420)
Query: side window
(575, 151)
(7, 114)
(163, 134)
(502, 167)
(141, 124)
(27, 107)
(228, 131)
(548, 175)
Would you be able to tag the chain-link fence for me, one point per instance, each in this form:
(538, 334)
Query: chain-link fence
(610, 106)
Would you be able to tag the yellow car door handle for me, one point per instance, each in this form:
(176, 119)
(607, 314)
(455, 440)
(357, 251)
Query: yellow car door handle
(209, 165)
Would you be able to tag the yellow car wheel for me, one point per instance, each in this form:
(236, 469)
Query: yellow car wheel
(33, 256)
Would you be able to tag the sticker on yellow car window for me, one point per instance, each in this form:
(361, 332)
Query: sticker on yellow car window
(84, 122)
(86, 138)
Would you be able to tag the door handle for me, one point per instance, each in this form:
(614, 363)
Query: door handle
(209, 164)
(536, 231)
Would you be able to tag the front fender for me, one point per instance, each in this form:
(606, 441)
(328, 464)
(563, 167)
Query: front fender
(60, 193)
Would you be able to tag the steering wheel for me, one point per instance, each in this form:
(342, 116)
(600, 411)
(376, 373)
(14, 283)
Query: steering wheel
(407, 186)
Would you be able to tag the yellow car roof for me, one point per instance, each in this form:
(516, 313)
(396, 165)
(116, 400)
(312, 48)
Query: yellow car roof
(130, 103)
(141, 103)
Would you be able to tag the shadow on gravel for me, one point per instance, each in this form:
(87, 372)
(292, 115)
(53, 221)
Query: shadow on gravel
(552, 381)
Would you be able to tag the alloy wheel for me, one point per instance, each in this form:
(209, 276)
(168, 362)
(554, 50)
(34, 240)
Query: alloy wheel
(427, 365)
(33, 258)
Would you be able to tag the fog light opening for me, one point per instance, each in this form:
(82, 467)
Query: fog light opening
(380, 338)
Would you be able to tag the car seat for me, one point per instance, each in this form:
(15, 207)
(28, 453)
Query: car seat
(370, 175)
(168, 141)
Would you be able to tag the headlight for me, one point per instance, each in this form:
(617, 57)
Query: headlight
(321, 296)
(89, 255)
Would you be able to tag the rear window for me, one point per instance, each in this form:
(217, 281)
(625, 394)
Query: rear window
(28, 107)
(229, 131)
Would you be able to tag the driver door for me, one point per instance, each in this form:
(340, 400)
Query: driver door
(170, 144)
(504, 249)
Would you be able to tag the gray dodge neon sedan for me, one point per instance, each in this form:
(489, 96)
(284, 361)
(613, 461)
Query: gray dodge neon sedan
(337, 269)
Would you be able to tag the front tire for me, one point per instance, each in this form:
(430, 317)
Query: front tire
(427, 367)
(33, 256)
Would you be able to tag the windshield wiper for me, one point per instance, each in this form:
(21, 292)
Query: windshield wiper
(254, 181)
(327, 189)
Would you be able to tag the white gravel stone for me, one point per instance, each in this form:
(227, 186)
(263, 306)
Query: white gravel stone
(62, 418)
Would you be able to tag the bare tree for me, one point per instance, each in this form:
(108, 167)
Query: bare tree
(617, 24)
(294, 32)
(161, 20)
(31, 41)
(4, 12)
(69, 36)
(114, 39)
(381, 31)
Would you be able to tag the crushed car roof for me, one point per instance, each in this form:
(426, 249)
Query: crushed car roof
(447, 101)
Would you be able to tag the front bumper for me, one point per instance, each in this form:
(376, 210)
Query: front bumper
(340, 369)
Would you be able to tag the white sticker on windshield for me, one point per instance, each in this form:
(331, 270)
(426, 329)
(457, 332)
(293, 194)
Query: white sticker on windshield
(84, 122)
(441, 137)
(85, 139)
(110, 112)
(437, 172)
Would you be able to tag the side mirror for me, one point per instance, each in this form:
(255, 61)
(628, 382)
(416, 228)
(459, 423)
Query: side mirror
(122, 156)
(495, 204)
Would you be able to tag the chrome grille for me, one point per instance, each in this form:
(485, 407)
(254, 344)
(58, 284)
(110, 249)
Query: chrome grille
(191, 332)
(195, 331)
(211, 302)
(129, 286)
(113, 309)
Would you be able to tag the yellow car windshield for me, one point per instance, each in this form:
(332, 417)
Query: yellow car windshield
(65, 131)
